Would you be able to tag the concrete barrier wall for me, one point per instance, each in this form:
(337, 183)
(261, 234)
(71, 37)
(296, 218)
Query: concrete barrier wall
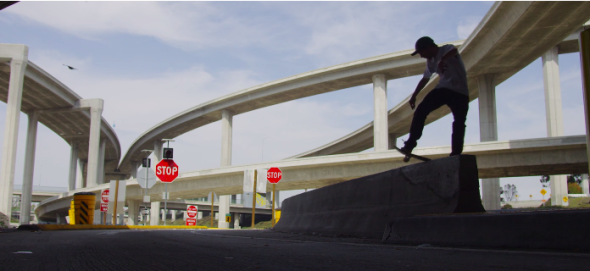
(363, 207)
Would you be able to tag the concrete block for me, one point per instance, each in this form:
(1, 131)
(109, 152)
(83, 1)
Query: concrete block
(559, 230)
(363, 207)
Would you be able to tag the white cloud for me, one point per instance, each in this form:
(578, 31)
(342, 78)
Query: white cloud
(187, 25)
(467, 26)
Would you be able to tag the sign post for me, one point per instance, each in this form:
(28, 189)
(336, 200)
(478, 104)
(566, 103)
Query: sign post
(191, 212)
(166, 171)
(116, 200)
(104, 204)
(274, 175)
(212, 213)
(254, 198)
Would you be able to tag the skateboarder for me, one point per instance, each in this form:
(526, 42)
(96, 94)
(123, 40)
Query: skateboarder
(451, 90)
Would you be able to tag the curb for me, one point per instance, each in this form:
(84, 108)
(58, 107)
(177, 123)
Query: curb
(115, 227)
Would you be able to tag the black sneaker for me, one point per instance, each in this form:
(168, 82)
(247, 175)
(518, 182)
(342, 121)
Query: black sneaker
(408, 147)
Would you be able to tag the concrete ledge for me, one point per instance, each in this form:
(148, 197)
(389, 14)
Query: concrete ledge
(558, 229)
(364, 206)
(114, 227)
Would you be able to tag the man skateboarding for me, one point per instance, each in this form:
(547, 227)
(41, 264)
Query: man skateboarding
(451, 90)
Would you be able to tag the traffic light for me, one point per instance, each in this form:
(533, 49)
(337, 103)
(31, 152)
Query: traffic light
(168, 153)
(146, 162)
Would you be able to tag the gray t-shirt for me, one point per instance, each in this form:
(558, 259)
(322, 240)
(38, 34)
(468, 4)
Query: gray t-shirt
(454, 77)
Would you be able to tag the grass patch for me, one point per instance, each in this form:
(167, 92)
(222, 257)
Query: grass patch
(583, 202)
(261, 225)
(205, 221)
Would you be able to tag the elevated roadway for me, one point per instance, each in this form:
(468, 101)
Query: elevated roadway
(529, 157)
(510, 37)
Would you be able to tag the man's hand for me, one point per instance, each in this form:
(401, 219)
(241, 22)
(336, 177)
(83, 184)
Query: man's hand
(413, 101)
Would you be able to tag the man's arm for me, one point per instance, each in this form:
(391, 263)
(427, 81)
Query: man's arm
(419, 87)
(452, 53)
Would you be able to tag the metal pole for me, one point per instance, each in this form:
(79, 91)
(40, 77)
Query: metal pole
(116, 199)
(584, 41)
(212, 214)
(254, 198)
(273, 204)
(165, 206)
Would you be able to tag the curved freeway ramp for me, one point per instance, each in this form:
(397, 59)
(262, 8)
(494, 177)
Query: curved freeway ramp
(529, 157)
(509, 37)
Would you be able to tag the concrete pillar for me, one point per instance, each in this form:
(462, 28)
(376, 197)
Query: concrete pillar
(132, 212)
(380, 128)
(199, 215)
(392, 140)
(96, 106)
(18, 57)
(236, 221)
(73, 166)
(134, 166)
(155, 213)
(83, 180)
(101, 155)
(158, 151)
(584, 41)
(554, 116)
(173, 215)
(226, 152)
(584, 184)
(488, 131)
(27, 192)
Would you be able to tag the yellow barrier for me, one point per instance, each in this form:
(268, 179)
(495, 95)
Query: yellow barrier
(72, 213)
(46, 227)
(277, 215)
(84, 208)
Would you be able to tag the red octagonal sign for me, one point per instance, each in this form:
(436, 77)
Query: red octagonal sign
(191, 211)
(274, 175)
(167, 170)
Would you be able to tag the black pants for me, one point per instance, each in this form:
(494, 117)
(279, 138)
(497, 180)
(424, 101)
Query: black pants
(459, 105)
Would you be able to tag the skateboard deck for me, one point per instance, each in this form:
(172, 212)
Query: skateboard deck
(407, 157)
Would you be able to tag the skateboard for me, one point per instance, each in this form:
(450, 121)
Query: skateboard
(411, 155)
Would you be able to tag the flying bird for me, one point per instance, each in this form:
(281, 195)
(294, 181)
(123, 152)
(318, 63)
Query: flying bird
(70, 67)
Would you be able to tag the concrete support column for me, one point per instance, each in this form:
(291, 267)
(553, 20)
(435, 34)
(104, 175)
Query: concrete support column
(553, 111)
(173, 215)
(18, 57)
(158, 144)
(96, 106)
(83, 180)
(101, 155)
(236, 221)
(155, 213)
(584, 184)
(380, 128)
(392, 140)
(226, 152)
(73, 165)
(488, 131)
(134, 166)
(132, 212)
(164, 213)
(584, 41)
(27, 192)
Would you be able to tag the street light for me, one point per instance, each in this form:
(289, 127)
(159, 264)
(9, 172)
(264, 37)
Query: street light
(262, 154)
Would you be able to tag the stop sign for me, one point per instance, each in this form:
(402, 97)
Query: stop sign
(105, 196)
(191, 211)
(274, 175)
(167, 170)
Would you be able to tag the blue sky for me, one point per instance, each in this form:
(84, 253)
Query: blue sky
(151, 60)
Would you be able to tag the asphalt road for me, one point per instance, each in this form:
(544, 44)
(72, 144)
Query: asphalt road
(252, 249)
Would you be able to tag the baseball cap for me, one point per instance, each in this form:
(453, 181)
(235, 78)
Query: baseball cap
(423, 43)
